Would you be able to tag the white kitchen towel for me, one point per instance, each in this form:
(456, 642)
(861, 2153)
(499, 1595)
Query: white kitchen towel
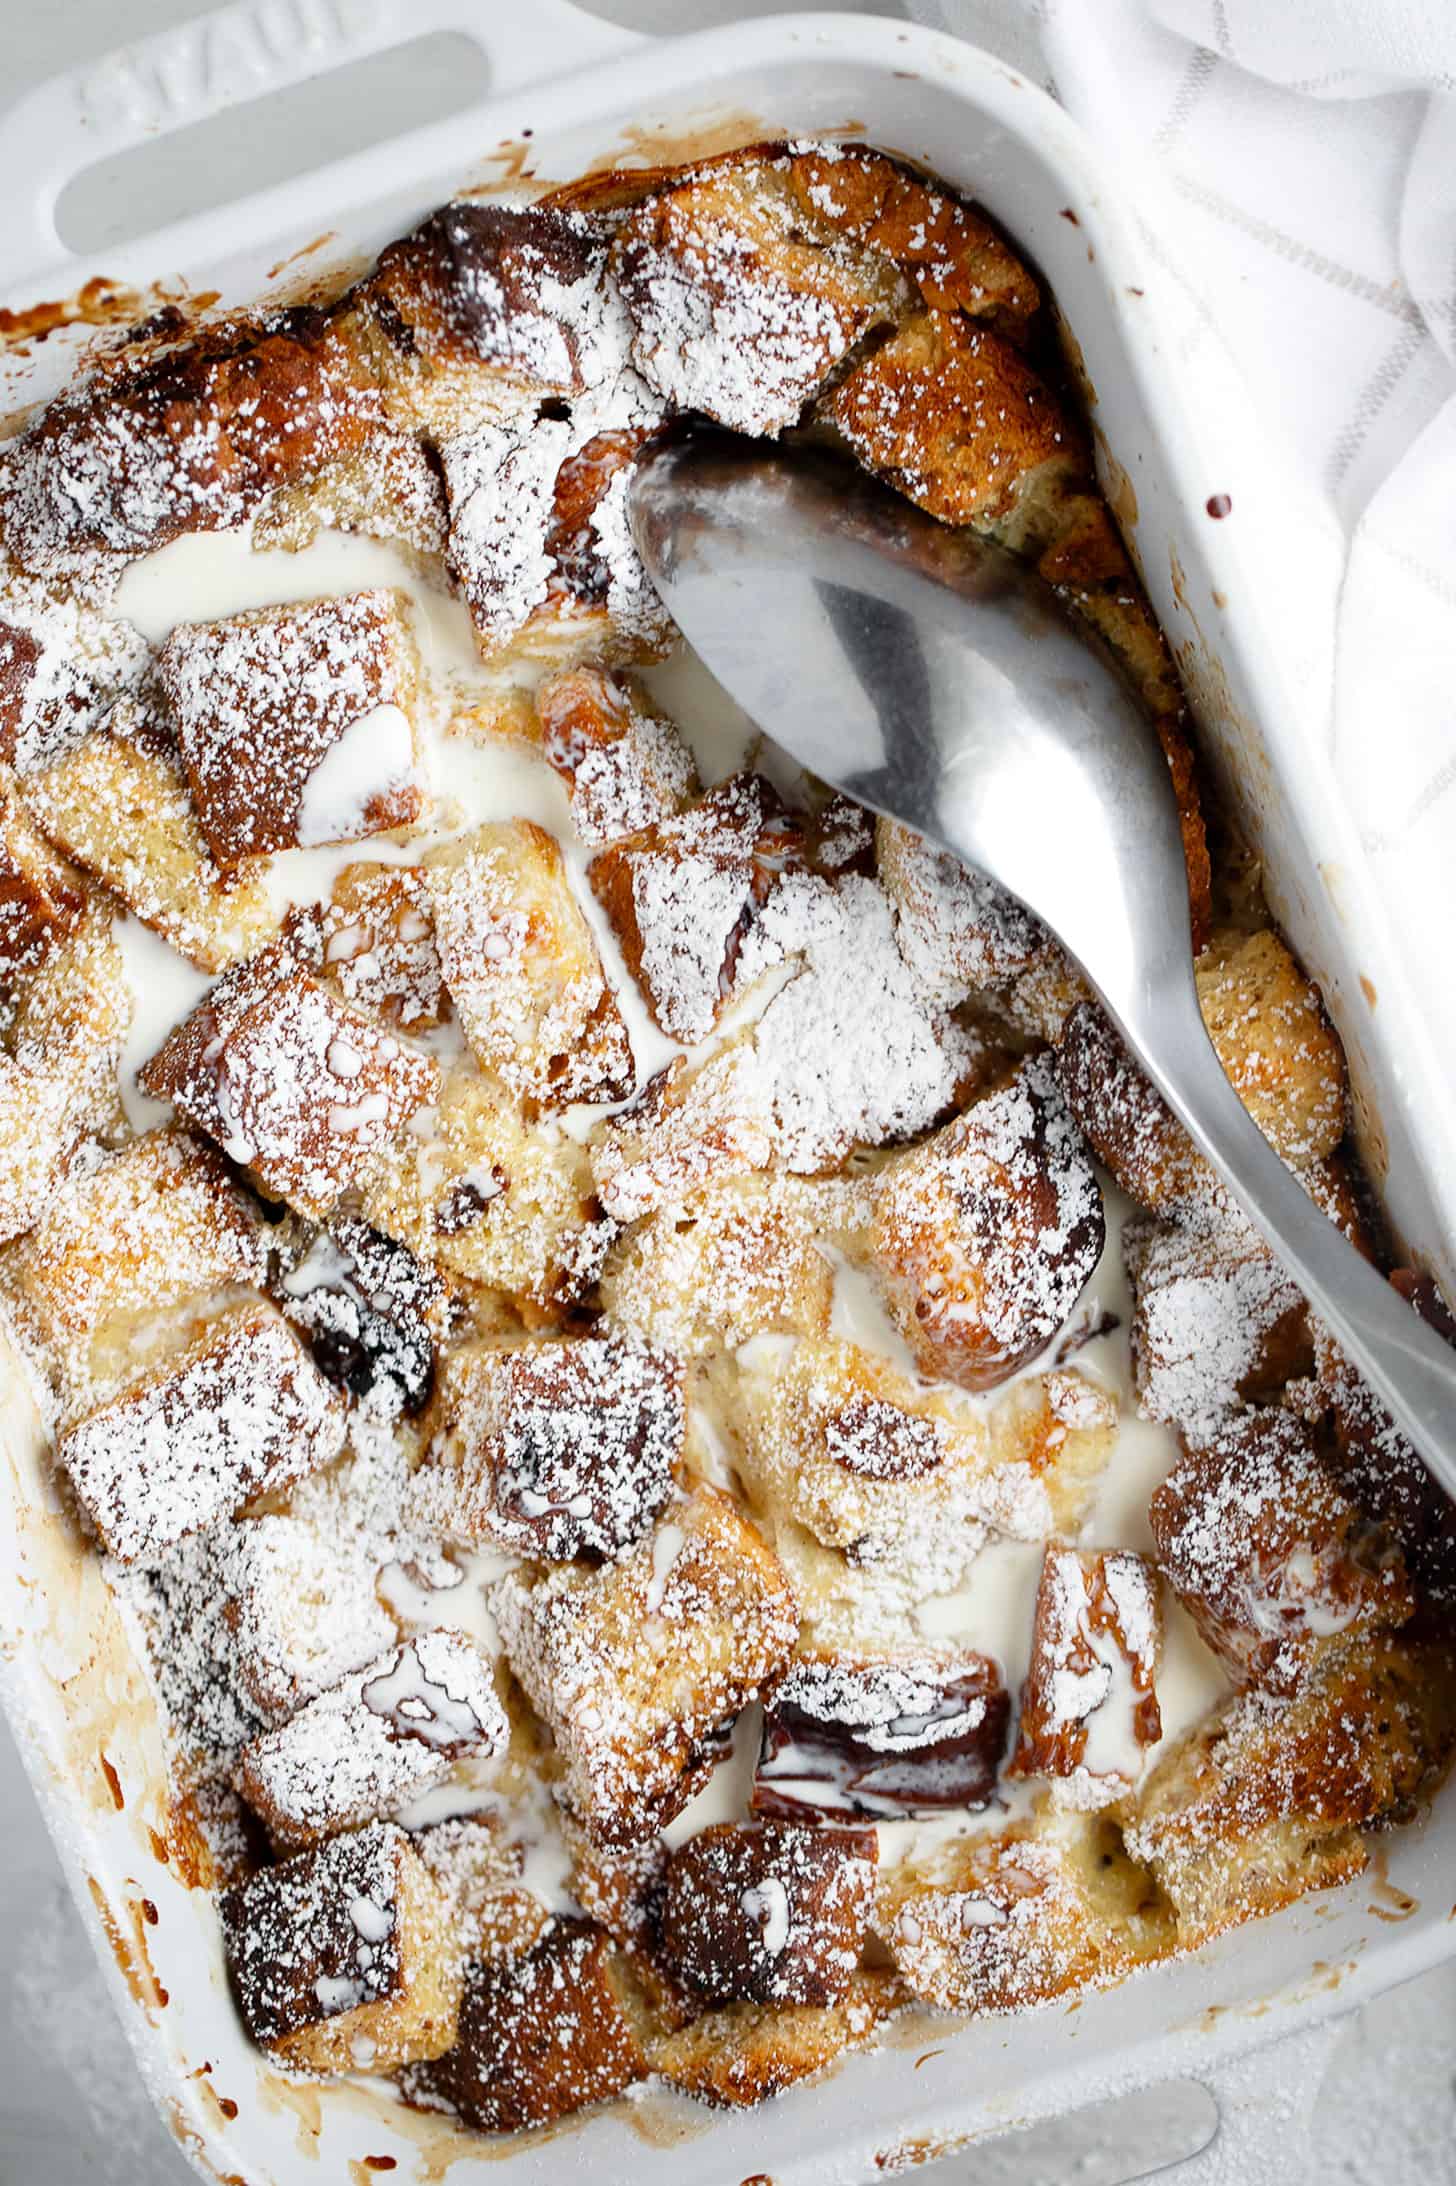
(1300, 157)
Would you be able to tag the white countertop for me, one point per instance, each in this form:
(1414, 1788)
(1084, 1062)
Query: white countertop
(72, 2108)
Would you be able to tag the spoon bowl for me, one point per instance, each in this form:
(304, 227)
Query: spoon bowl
(932, 676)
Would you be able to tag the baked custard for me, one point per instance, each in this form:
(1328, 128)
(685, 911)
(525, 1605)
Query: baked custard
(698, 1460)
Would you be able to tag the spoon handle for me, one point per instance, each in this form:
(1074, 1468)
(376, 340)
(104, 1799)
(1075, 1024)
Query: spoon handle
(1407, 1364)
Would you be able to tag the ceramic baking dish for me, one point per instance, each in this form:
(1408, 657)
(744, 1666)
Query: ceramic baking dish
(569, 92)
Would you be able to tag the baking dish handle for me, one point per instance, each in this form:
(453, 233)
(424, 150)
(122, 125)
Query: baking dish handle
(1266, 2102)
(139, 92)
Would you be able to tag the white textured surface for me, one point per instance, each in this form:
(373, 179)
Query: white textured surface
(72, 2109)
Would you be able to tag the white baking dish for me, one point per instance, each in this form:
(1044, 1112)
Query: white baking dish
(78, 1699)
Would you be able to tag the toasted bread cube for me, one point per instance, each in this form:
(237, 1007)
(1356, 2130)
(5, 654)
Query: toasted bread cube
(689, 1132)
(1217, 1324)
(187, 440)
(743, 2054)
(500, 482)
(292, 1084)
(555, 1450)
(892, 1736)
(122, 1244)
(369, 1311)
(40, 1134)
(737, 311)
(341, 1958)
(1268, 1025)
(374, 1741)
(63, 656)
(1272, 1559)
(481, 306)
(637, 1668)
(769, 1912)
(241, 1409)
(542, 2034)
(377, 944)
(1265, 1801)
(685, 896)
(959, 931)
(491, 1197)
(301, 1608)
(986, 1236)
(946, 246)
(20, 654)
(625, 766)
(295, 723)
(40, 901)
(951, 414)
(1089, 1707)
(599, 597)
(522, 967)
(993, 1924)
(901, 1478)
(118, 803)
(1372, 1459)
(478, 1870)
(734, 1260)
(388, 487)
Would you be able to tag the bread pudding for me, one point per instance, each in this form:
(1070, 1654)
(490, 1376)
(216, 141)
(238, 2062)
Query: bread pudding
(697, 1458)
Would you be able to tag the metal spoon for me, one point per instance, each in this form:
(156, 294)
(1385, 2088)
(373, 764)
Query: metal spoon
(931, 676)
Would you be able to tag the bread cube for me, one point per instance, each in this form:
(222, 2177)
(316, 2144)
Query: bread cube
(738, 309)
(40, 901)
(240, 1409)
(901, 1478)
(1372, 1459)
(893, 1735)
(735, 1260)
(624, 765)
(685, 896)
(986, 1236)
(60, 1052)
(1268, 1025)
(1217, 1325)
(769, 1912)
(691, 1131)
(376, 943)
(599, 598)
(341, 1959)
(369, 1311)
(638, 1668)
(500, 482)
(946, 247)
(950, 413)
(120, 1245)
(1089, 1707)
(300, 1607)
(523, 969)
(492, 1198)
(64, 657)
(376, 1740)
(1272, 1559)
(388, 487)
(996, 1923)
(542, 2034)
(292, 1084)
(1265, 1801)
(482, 308)
(959, 931)
(478, 1869)
(295, 723)
(118, 803)
(742, 2054)
(187, 439)
(555, 1450)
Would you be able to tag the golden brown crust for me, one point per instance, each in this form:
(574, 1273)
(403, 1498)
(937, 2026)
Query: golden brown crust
(542, 2034)
(745, 2053)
